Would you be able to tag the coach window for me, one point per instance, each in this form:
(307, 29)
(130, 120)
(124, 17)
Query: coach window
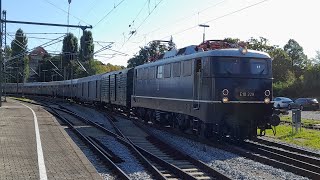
(159, 72)
(187, 68)
(167, 71)
(176, 69)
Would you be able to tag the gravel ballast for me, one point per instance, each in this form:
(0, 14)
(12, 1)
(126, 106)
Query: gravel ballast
(91, 115)
(95, 161)
(228, 163)
(131, 164)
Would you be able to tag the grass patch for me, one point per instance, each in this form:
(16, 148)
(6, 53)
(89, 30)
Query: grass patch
(303, 120)
(306, 137)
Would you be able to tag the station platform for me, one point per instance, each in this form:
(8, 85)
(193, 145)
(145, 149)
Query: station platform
(33, 145)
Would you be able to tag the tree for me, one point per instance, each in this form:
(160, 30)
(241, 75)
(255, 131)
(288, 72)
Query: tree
(147, 54)
(86, 52)
(95, 67)
(70, 47)
(316, 59)
(311, 81)
(232, 40)
(295, 51)
(280, 65)
(18, 53)
(8, 52)
(70, 52)
(261, 44)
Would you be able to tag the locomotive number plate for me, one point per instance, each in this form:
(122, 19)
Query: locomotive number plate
(246, 94)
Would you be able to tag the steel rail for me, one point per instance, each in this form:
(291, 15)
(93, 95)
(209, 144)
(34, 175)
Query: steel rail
(287, 147)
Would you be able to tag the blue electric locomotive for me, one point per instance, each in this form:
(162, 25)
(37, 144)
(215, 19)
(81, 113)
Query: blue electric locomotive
(213, 91)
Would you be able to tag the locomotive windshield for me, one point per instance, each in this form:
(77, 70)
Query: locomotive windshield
(239, 66)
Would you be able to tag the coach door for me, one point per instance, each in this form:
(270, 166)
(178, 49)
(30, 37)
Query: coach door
(196, 83)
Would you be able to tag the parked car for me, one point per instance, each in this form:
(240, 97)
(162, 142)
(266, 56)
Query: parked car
(307, 103)
(282, 103)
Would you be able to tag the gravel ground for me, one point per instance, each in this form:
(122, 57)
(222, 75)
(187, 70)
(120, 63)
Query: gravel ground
(231, 164)
(131, 165)
(91, 115)
(95, 161)
(314, 115)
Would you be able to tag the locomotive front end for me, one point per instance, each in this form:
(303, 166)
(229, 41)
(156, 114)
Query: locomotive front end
(243, 86)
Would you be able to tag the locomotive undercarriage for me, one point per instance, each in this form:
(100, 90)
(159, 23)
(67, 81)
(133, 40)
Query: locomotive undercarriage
(238, 121)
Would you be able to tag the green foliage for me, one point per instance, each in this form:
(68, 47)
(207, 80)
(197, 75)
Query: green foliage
(280, 65)
(70, 53)
(70, 47)
(47, 71)
(147, 54)
(19, 44)
(316, 60)
(311, 80)
(305, 138)
(7, 51)
(95, 67)
(18, 50)
(295, 51)
(232, 40)
(86, 52)
(261, 44)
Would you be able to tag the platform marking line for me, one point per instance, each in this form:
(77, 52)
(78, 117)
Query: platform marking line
(42, 166)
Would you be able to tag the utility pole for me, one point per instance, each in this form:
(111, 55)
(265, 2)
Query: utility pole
(1, 53)
(4, 30)
(204, 30)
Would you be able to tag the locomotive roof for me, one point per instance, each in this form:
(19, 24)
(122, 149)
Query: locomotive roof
(218, 52)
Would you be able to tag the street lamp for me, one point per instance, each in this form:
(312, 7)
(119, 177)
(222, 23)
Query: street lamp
(204, 29)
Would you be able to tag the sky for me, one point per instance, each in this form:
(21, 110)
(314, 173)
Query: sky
(114, 20)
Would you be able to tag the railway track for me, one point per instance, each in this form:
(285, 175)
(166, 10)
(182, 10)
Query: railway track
(305, 165)
(307, 126)
(274, 154)
(168, 162)
(89, 132)
(171, 162)
(297, 161)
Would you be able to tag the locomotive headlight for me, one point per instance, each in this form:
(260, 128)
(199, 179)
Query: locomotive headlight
(225, 100)
(243, 50)
(267, 100)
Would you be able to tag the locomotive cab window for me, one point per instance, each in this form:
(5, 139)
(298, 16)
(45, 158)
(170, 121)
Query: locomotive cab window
(239, 66)
(229, 66)
(258, 66)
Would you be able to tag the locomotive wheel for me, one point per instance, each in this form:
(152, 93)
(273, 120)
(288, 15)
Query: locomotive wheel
(183, 122)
